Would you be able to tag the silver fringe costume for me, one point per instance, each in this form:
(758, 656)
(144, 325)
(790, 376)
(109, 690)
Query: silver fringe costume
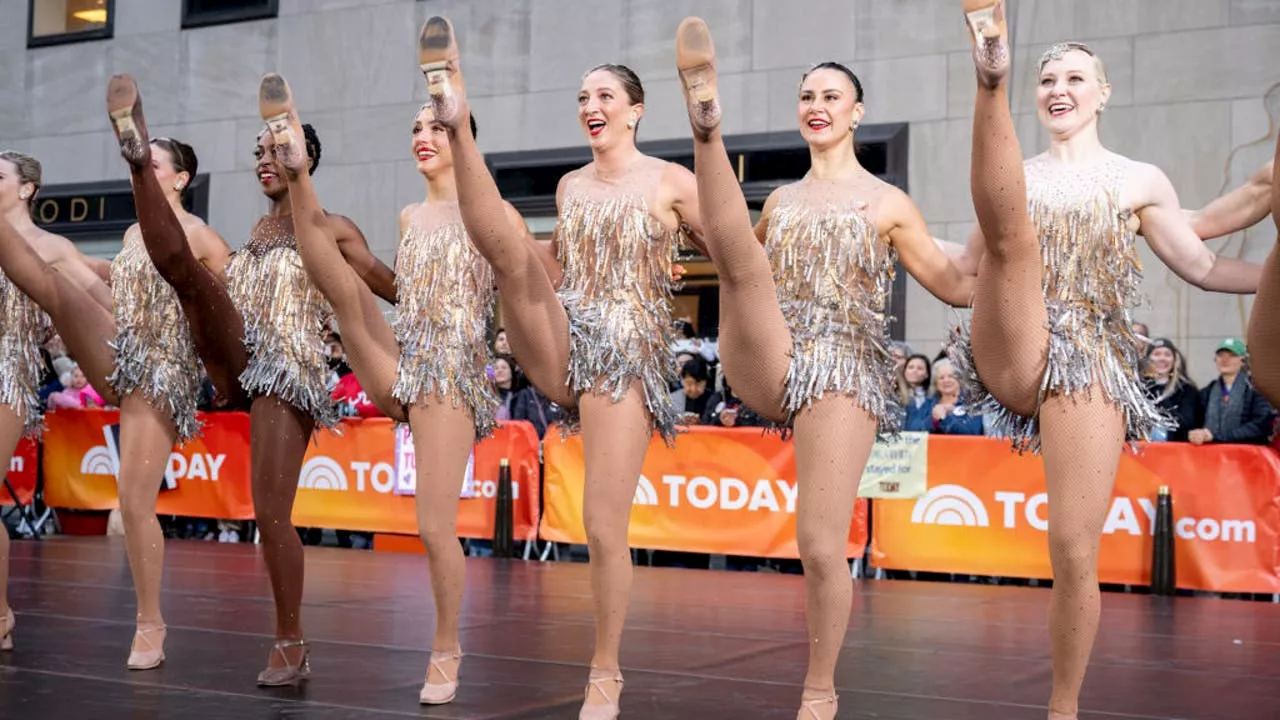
(284, 321)
(617, 291)
(1091, 282)
(445, 293)
(834, 275)
(153, 347)
(23, 328)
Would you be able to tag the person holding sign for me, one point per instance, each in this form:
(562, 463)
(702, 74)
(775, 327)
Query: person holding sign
(803, 326)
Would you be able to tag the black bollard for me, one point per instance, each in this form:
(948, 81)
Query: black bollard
(1163, 573)
(503, 521)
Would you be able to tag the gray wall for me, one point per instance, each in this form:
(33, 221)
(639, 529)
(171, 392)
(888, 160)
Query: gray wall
(1189, 81)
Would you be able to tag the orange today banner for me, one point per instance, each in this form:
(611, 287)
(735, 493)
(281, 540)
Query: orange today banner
(346, 482)
(720, 490)
(986, 513)
(22, 473)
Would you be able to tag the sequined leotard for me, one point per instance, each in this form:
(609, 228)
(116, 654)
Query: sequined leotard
(284, 320)
(834, 275)
(153, 347)
(445, 295)
(1091, 281)
(617, 260)
(23, 327)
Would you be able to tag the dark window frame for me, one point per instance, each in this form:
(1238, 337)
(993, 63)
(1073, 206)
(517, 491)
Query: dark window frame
(195, 200)
(106, 32)
(226, 16)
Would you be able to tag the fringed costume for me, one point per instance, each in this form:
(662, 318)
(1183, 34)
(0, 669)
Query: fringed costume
(445, 293)
(153, 348)
(617, 260)
(23, 328)
(1091, 281)
(284, 319)
(834, 275)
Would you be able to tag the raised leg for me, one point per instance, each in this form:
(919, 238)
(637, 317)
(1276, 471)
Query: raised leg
(615, 438)
(85, 326)
(217, 330)
(1264, 318)
(11, 428)
(147, 435)
(833, 439)
(536, 323)
(369, 340)
(443, 436)
(1009, 336)
(754, 336)
(279, 442)
(1083, 438)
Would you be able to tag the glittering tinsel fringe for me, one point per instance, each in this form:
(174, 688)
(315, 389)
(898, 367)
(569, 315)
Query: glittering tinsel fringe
(19, 376)
(597, 365)
(164, 384)
(454, 377)
(1072, 369)
(272, 376)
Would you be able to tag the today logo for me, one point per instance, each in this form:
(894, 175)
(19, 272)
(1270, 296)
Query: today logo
(956, 505)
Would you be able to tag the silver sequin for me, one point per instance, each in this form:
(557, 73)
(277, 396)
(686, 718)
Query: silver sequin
(1091, 282)
(153, 348)
(23, 327)
(284, 321)
(445, 297)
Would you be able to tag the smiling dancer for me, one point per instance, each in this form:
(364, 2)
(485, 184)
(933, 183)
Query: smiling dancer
(1057, 266)
(600, 345)
(812, 351)
(264, 329)
(431, 363)
(157, 370)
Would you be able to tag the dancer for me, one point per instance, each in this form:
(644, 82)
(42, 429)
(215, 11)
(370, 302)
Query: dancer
(260, 337)
(46, 282)
(432, 362)
(600, 345)
(814, 350)
(1051, 334)
(157, 372)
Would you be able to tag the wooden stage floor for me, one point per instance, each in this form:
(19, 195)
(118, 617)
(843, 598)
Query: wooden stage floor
(699, 644)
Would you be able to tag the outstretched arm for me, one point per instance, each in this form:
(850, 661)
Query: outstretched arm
(63, 256)
(1171, 237)
(1241, 208)
(684, 186)
(355, 249)
(921, 255)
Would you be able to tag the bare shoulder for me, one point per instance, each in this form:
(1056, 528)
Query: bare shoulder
(343, 225)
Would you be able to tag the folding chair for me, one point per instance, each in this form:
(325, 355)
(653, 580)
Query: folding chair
(24, 508)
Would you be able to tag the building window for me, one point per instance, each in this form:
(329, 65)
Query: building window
(202, 13)
(54, 22)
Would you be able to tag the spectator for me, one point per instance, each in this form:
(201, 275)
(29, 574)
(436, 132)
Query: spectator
(1143, 333)
(531, 405)
(1231, 409)
(693, 402)
(912, 383)
(950, 412)
(500, 344)
(899, 351)
(78, 392)
(1167, 382)
(506, 378)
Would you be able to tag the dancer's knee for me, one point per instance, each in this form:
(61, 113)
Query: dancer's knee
(822, 553)
(1073, 556)
(439, 538)
(137, 505)
(605, 537)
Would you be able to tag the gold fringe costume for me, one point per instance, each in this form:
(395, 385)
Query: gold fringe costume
(445, 294)
(153, 348)
(23, 328)
(284, 321)
(834, 275)
(617, 289)
(1091, 282)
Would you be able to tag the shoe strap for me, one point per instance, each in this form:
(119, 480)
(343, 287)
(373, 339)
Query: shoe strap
(596, 681)
(281, 645)
(814, 702)
(437, 658)
(145, 634)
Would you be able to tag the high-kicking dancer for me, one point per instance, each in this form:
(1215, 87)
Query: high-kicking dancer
(599, 345)
(804, 324)
(1051, 339)
(429, 369)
